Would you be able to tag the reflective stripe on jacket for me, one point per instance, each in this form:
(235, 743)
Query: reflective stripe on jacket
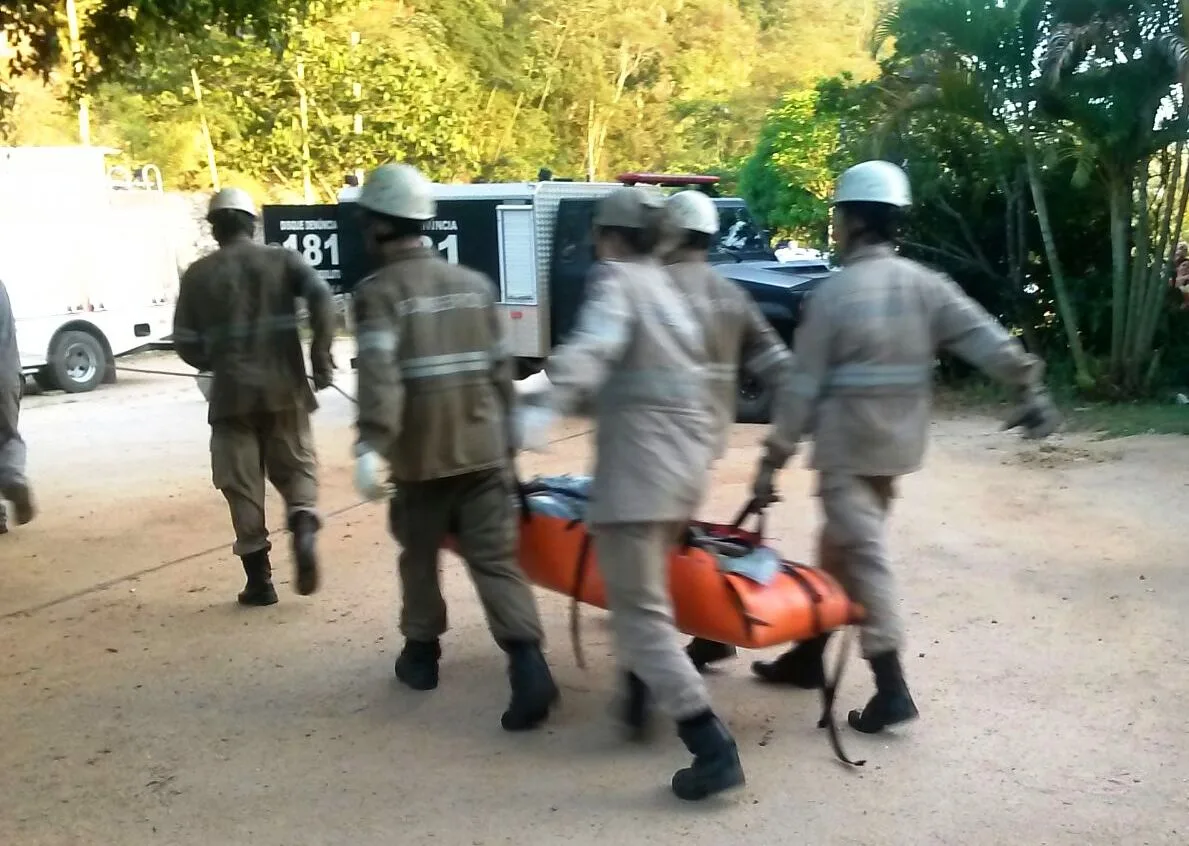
(863, 364)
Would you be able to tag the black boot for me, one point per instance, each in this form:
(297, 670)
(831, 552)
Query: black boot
(716, 764)
(891, 704)
(637, 710)
(259, 590)
(23, 506)
(417, 664)
(703, 652)
(803, 666)
(533, 688)
(304, 527)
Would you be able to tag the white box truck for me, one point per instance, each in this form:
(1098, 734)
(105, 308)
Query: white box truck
(90, 261)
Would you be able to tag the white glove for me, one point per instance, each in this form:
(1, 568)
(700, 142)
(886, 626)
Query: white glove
(367, 474)
(533, 385)
(533, 423)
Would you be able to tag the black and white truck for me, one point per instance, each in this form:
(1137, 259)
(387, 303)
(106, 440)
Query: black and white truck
(534, 241)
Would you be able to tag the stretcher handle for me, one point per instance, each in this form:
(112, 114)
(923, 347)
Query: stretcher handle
(751, 509)
(521, 490)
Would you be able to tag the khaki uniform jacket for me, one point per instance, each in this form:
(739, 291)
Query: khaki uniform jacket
(435, 378)
(863, 364)
(10, 368)
(639, 350)
(237, 317)
(736, 334)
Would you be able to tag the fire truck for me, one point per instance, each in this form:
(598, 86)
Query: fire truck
(534, 241)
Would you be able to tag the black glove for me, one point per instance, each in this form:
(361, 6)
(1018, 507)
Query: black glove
(1036, 415)
(763, 488)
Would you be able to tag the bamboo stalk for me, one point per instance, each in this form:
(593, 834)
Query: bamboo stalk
(212, 166)
(76, 61)
(307, 181)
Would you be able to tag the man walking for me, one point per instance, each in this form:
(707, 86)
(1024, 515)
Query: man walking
(435, 402)
(862, 384)
(237, 318)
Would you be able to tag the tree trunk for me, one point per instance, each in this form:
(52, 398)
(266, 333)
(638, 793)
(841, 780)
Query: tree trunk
(1065, 306)
(1119, 194)
(1153, 308)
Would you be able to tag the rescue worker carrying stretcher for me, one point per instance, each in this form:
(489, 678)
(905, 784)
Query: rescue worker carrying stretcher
(237, 318)
(639, 350)
(736, 334)
(435, 402)
(862, 384)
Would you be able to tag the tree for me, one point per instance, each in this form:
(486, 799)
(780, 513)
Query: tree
(978, 59)
(1114, 68)
(788, 179)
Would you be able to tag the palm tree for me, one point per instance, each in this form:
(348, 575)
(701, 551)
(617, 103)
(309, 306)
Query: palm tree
(979, 59)
(1112, 69)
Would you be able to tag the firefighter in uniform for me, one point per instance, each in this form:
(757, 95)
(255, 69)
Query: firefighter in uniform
(237, 318)
(862, 381)
(14, 487)
(639, 350)
(736, 334)
(435, 403)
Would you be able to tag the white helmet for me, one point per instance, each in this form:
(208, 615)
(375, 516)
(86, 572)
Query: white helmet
(874, 182)
(235, 199)
(398, 190)
(694, 211)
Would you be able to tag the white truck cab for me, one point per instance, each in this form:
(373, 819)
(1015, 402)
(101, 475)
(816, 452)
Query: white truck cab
(90, 260)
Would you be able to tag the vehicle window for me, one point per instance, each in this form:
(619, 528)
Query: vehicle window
(738, 233)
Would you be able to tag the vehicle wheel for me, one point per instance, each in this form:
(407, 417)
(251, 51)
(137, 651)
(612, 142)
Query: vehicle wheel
(45, 379)
(753, 400)
(77, 362)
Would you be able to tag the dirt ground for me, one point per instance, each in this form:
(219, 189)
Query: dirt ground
(1045, 591)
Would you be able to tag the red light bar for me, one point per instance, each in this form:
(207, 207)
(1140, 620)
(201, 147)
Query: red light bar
(671, 179)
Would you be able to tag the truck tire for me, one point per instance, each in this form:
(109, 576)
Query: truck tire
(753, 399)
(77, 361)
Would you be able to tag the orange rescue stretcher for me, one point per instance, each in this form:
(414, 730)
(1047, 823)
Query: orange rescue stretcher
(725, 583)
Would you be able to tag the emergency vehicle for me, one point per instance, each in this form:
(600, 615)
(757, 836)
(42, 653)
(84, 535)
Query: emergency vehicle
(89, 256)
(534, 241)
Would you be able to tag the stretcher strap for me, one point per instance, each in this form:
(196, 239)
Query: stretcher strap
(829, 694)
(815, 598)
(575, 604)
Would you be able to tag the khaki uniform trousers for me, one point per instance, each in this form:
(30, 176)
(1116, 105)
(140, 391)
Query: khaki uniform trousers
(476, 509)
(634, 561)
(12, 447)
(244, 450)
(852, 549)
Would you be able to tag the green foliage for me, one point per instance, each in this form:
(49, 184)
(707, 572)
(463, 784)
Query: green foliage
(787, 181)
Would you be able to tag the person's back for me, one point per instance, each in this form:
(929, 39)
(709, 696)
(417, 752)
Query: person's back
(888, 317)
(655, 435)
(242, 301)
(453, 420)
(737, 335)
